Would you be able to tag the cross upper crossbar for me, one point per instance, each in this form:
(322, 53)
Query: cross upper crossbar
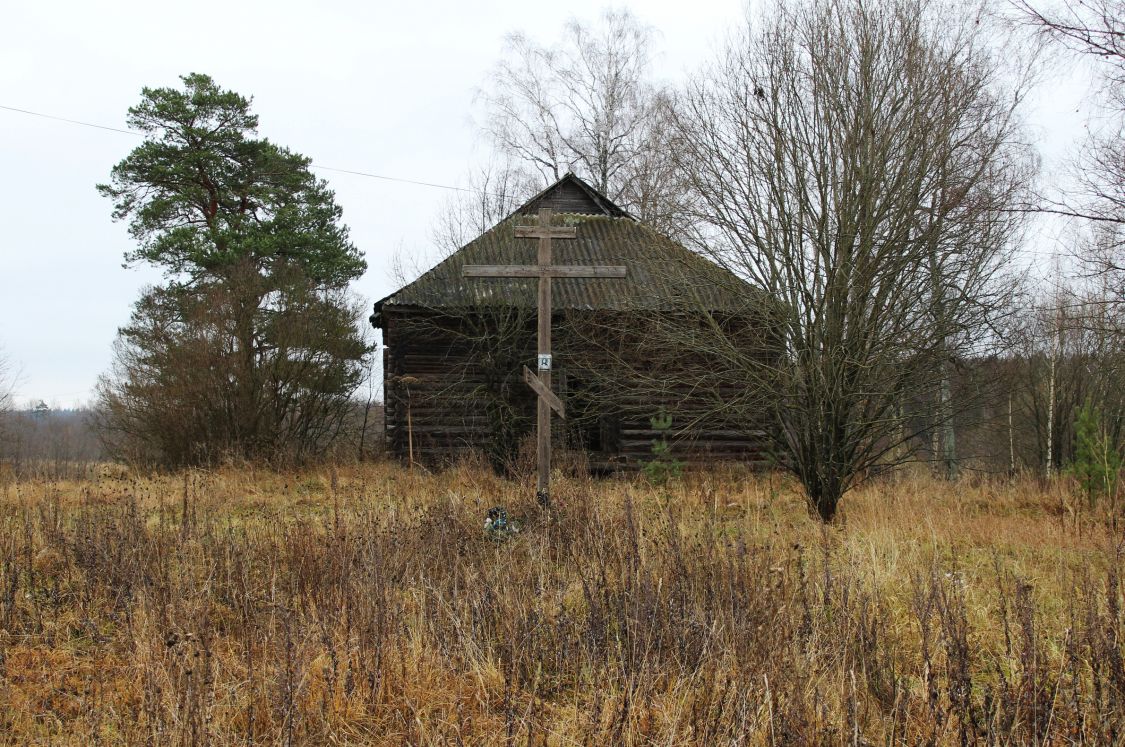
(546, 232)
(541, 271)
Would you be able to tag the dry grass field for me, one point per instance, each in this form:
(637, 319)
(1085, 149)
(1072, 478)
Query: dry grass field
(365, 605)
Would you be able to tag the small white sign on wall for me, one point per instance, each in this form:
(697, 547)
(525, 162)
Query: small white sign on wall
(544, 361)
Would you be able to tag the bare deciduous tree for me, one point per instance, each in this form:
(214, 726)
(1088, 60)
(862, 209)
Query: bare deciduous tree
(1095, 31)
(856, 162)
(1066, 350)
(587, 104)
(583, 102)
(495, 190)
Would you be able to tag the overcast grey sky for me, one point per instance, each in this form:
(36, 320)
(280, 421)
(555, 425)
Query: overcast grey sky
(385, 88)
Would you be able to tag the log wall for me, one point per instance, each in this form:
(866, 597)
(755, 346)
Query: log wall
(447, 388)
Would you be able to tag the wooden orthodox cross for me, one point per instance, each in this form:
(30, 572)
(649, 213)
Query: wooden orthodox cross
(544, 270)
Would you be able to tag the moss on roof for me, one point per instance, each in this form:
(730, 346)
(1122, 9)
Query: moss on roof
(661, 273)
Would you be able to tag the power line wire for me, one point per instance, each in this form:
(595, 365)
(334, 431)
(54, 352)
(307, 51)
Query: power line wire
(353, 172)
(405, 181)
(71, 121)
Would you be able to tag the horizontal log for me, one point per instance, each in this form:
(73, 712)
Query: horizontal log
(693, 433)
(603, 461)
(646, 446)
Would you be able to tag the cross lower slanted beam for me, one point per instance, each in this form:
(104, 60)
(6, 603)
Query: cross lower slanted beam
(545, 272)
(536, 385)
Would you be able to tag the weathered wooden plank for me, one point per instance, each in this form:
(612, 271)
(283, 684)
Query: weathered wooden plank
(587, 271)
(554, 271)
(543, 231)
(552, 400)
(543, 411)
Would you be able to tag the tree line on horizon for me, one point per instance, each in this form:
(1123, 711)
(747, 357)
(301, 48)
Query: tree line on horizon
(867, 165)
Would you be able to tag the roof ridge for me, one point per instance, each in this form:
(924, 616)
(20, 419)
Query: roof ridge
(608, 206)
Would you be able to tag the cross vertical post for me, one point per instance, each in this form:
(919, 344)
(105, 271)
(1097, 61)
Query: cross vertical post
(543, 419)
(544, 271)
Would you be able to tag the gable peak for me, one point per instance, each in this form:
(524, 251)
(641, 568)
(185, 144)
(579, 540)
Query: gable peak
(572, 194)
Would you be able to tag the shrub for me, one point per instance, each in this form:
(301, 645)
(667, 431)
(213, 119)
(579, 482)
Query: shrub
(663, 465)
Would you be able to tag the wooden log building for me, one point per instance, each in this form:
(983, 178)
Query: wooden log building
(454, 347)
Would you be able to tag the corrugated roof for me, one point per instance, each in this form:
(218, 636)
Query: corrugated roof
(661, 273)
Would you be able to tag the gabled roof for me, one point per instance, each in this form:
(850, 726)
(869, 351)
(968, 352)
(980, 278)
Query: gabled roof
(572, 195)
(661, 273)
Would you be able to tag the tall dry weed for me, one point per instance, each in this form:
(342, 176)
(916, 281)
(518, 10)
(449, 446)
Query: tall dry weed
(366, 605)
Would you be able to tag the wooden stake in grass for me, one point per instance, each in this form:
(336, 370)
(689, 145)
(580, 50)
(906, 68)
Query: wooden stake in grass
(407, 381)
(544, 271)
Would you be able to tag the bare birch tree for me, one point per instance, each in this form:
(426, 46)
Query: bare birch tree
(856, 162)
(588, 105)
(1067, 352)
